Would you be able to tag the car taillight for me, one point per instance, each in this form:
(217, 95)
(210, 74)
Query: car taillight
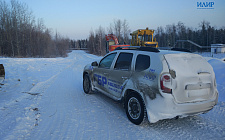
(165, 83)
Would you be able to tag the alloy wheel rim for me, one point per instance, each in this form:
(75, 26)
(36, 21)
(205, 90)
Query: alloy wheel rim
(134, 108)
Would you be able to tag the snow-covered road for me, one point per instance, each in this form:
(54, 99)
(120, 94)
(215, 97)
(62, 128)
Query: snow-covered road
(44, 99)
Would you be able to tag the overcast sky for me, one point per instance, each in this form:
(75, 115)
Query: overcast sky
(76, 18)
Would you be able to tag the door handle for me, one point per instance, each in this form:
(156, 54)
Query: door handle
(106, 74)
(124, 78)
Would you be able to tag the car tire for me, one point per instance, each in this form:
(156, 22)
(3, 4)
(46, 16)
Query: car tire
(135, 108)
(87, 84)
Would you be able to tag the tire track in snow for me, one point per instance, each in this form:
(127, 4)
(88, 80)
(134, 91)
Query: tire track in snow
(58, 117)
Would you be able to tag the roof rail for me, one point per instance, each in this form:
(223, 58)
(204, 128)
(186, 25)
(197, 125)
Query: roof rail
(180, 49)
(149, 49)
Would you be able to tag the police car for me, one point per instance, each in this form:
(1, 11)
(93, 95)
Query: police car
(158, 84)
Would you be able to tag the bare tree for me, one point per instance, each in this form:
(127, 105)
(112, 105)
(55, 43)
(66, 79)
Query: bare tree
(100, 35)
(22, 36)
(91, 42)
(126, 31)
(118, 28)
(96, 41)
(110, 29)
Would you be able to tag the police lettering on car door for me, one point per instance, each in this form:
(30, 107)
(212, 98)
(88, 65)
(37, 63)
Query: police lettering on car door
(111, 84)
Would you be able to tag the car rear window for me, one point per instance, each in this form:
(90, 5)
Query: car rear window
(142, 62)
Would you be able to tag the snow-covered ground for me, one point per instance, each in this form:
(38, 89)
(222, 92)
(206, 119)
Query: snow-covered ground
(42, 98)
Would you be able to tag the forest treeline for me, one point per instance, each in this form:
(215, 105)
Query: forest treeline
(204, 35)
(21, 35)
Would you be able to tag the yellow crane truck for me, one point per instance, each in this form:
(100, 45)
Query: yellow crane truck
(143, 37)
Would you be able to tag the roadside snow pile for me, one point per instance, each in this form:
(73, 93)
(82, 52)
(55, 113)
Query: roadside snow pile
(208, 54)
(218, 64)
(219, 69)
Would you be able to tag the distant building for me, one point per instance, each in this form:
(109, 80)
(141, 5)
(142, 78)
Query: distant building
(217, 48)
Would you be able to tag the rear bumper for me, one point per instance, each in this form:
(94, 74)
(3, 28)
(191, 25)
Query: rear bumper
(166, 107)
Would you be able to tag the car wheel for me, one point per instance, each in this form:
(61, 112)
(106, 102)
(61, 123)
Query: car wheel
(134, 107)
(87, 84)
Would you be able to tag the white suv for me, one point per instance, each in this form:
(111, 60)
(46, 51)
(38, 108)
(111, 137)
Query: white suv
(162, 84)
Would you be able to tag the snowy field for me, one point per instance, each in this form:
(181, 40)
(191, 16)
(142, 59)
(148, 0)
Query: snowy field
(42, 98)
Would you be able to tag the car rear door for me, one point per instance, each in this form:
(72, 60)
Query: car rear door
(120, 73)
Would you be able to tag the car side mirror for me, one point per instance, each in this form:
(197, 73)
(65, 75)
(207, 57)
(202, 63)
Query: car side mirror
(94, 63)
